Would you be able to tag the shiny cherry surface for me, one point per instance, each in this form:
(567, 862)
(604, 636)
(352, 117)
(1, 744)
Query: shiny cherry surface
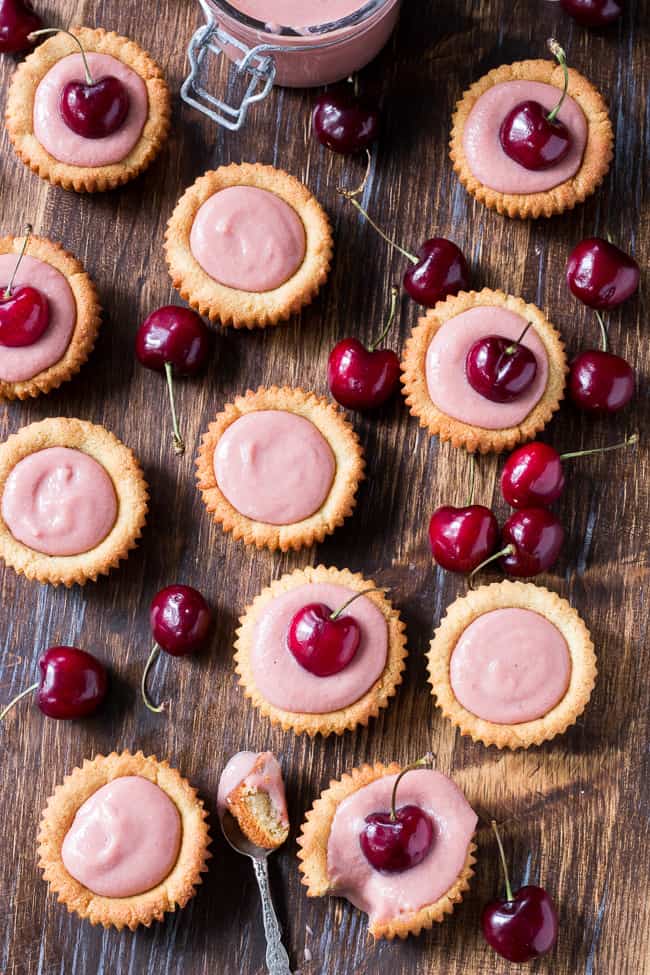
(600, 274)
(176, 335)
(322, 645)
(17, 21)
(499, 369)
(601, 382)
(73, 683)
(24, 316)
(522, 928)
(180, 620)
(361, 378)
(593, 13)
(462, 538)
(395, 845)
(345, 123)
(532, 476)
(528, 137)
(537, 536)
(94, 111)
(441, 271)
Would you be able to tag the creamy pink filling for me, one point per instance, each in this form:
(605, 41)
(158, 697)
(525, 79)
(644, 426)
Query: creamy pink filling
(124, 839)
(267, 778)
(64, 144)
(280, 678)
(248, 238)
(274, 466)
(487, 160)
(385, 896)
(59, 501)
(20, 363)
(510, 665)
(298, 13)
(445, 368)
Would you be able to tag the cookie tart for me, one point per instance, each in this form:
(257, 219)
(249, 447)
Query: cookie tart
(397, 846)
(251, 789)
(320, 651)
(88, 110)
(248, 245)
(123, 840)
(512, 665)
(449, 351)
(49, 316)
(73, 501)
(514, 151)
(279, 468)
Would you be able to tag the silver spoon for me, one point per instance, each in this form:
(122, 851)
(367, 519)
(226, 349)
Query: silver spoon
(277, 959)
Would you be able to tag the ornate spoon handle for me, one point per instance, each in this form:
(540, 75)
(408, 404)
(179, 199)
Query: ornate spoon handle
(277, 960)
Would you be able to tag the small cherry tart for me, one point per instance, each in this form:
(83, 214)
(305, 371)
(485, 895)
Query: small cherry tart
(600, 274)
(344, 122)
(72, 684)
(18, 20)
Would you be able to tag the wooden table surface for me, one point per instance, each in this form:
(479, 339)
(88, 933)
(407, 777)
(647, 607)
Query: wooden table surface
(576, 810)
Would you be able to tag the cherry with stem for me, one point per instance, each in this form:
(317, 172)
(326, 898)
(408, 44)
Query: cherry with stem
(72, 684)
(599, 381)
(24, 311)
(461, 538)
(500, 369)
(533, 539)
(18, 21)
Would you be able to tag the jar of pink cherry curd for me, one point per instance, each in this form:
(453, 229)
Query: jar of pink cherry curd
(292, 43)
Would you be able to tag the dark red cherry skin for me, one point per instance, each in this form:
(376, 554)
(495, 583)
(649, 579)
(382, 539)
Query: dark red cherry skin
(500, 369)
(523, 928)
(94, 111)
(72, 685)
(17, 21)
(529, 138)
(176, 335)
(600, 274)
(462, 538)
(532, 476)
(24, 316)
(601, 382)
(593, 13)
(361, 378)
(393, 846)
(441, 271)
(345, 123)
(180, 620)
(537, 536)
(321, 645)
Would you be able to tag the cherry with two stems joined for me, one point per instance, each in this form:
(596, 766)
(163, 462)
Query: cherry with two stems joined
(24, 311)
(532, 136)
(462, 538)
(175, 341)
(398, 840)
(532, 540)
(180, 621)
(533, 475)
(593, 13)
(364, 378)
(18, 20)
(524, 924)
(599, 381)
(499, 369)
(600, 274)
(95, 107)
(72, 684)
(345, 122)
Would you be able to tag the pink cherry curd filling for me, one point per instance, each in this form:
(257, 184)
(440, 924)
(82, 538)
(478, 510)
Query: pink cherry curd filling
(267, 778)
(388, 896)
(20, 363)
(59, 501)
(298, 13)
(483, 150)
(280, 678)
(510, 665)
(64, 144)
(124, 839)
(274, 466)
(248, 238)
(447, 380)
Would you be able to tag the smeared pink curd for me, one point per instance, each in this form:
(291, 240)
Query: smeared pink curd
(267, 778)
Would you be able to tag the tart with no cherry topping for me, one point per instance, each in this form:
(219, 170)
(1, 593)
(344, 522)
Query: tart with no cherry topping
(248, 245)
(151, 821)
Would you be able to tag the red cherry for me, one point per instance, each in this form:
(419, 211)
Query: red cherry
(345, 123)
(601, 382)
(17, 21)
(94, 110)
(593, 13)
(523, 925)
(499, 369)
(24, 316)
(533, 539)
(322, 643)
(462, 538)
(439, 270)
(72, 684)
(600, 274)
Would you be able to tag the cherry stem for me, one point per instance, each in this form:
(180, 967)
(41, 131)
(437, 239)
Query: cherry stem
(559, 53)
(603, 332)
(472, 479)
(335, 615)
(351, 196)
(421, 762)
(632, 439)
(17, 698)
(394, 295)
(508, 550)
(28, 234)
(62, 30)
(179, 445)
(143, 684)
(503, 862)
(515, 345)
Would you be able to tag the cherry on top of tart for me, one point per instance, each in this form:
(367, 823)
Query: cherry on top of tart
(499, 368)
(24, 311)
(322, 640)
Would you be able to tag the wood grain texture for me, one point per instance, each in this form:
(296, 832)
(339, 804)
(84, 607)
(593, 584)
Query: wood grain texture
(577, 809)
